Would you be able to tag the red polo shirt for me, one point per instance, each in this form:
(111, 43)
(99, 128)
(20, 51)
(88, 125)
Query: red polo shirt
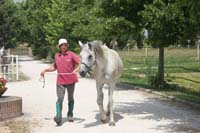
(66, 64)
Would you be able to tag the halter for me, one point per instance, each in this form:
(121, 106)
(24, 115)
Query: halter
(89, 67)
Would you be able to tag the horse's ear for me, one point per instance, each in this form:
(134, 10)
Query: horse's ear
(80, 43)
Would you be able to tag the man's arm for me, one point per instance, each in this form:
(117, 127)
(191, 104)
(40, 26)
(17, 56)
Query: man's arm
(77, 68)
(50, 69)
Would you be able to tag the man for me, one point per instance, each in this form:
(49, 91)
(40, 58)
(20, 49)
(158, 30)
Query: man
(67, 65)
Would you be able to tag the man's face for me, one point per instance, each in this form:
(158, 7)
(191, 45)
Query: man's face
(63, 47)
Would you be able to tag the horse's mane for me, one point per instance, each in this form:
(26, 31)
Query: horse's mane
(97, 46)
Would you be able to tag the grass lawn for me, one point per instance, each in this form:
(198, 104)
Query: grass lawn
(188, 80)
(181, 65)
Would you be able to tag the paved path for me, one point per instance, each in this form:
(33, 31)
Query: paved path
(135, 111)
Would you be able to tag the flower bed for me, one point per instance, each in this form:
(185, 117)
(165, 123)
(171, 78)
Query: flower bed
(3, 87)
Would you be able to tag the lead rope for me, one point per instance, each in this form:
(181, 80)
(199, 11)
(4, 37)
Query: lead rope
(43, 81)
(43, 78)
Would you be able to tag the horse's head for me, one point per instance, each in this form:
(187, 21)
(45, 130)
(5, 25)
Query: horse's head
(87, 58)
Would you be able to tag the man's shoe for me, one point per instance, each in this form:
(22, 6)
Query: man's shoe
(58, 120)
(70, 119)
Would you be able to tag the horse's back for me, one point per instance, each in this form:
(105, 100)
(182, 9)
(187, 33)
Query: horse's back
(114, 62)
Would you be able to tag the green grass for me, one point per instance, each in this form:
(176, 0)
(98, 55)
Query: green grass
(181, 65)
(22, 77)
(133, 77)
(184, 96)
(188, 80)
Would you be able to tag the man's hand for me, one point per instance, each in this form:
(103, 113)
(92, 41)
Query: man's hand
(74, 72)
(77, 68)
(42, 73)
(50, 69)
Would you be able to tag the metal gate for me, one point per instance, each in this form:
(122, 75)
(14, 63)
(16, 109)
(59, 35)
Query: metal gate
(10, 71)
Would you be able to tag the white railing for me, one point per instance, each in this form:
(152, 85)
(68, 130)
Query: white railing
(10, 71)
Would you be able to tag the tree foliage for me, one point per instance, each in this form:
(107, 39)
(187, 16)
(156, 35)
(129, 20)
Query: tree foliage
(63, 17)
(36, 18)
(127, 11)
(9, 23)
(168, 22)
(42, 23)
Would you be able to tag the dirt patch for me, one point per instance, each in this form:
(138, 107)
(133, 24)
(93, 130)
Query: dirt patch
(17, 126)
(4, 129)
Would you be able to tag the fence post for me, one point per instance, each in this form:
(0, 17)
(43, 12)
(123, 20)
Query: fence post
(4, 72)
(17, 67)
(198, 53)
(30, 52)
(12, 65)
(128, 48)
(146, 51)
(12, 59)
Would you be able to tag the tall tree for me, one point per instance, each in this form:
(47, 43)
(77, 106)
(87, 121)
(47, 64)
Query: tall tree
(166, 23)
(126, 11)
(73, 20)
(36, 19)
(8, 24)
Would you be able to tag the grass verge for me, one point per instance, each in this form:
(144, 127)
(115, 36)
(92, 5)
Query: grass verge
(181, 65)
(185, 86)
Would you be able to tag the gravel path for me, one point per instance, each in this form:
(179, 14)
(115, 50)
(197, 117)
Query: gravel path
(135, 111)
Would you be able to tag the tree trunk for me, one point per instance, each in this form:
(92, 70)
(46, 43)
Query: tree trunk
(139, 41)
(161, 65)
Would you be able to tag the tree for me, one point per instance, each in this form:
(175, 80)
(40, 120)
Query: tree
(167, 24)
(191, 9)
(109, 20)
(36, 18)
(8, 24)
(62, 20)
(129, 24)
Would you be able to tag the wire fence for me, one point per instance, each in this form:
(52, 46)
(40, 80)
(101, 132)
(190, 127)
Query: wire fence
(150, 51)
(21, 51)
(175, 58)
(181, 66)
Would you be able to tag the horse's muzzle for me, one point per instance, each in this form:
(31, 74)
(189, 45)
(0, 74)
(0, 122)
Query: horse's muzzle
(82, 73)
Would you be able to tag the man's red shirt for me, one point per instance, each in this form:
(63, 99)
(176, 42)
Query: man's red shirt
(65, 64)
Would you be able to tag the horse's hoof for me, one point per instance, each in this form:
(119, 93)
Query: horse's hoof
(103, 121)
(111, 124)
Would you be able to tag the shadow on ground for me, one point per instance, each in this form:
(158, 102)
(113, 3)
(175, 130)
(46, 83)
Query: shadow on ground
(76, 120)
(180, 117)
(117, 117)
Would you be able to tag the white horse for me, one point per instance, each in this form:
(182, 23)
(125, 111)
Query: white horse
(106, 67)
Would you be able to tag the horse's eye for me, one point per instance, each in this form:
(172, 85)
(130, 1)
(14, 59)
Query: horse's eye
(90, 57)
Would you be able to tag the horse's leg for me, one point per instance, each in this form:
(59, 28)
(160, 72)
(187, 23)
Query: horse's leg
(99, 87)
(110, 104)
